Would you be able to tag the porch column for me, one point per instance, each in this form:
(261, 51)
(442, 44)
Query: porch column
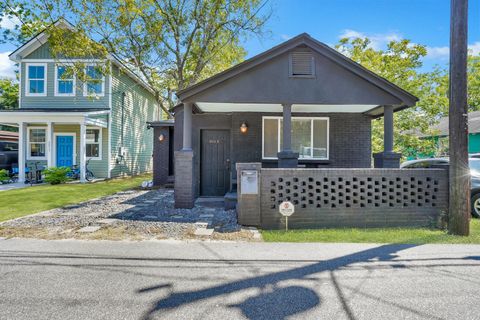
(50, 150)
(22, 127)
(187, 126)
(83, 157)
(387, 158)
(388, 129)
(287, 158)
(184, 169)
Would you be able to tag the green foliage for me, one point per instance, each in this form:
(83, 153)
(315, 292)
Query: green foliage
(171, 44)
(400, 63)
(8, 94)
(4, 175)
(56, 175)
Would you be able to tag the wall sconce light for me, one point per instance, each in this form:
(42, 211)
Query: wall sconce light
(161, 138)
(243, 128)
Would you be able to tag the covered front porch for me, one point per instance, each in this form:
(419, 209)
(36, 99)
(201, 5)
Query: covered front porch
(61, 138)
(299, 105)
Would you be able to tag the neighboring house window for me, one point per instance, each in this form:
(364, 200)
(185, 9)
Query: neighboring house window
(36, 143)
(302, 64)
(309, 137)
(64, 81)
(95, 81)
(36, 80)
(94, 144)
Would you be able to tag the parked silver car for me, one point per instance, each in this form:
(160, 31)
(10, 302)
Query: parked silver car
(474, 164)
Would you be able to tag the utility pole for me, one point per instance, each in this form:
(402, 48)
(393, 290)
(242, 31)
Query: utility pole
(459, 208)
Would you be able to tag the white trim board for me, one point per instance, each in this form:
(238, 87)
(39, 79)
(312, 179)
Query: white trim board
(45, 80)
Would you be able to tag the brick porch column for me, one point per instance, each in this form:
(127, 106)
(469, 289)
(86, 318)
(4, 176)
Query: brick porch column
(184, 174)
(387, 158)
(287, 158)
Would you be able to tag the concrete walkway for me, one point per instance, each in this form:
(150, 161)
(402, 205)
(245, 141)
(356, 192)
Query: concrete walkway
(71, 279)
(15, 185)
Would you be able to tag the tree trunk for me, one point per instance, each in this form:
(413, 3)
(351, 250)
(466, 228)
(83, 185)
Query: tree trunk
(459, 208)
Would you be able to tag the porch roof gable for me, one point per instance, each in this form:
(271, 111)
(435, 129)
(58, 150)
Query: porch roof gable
(219, 88)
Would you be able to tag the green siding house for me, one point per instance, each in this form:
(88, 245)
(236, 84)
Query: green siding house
(440, 136)
(64, 122)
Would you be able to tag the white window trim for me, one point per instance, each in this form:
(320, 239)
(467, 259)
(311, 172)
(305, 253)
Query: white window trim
(278, 118)
(85, 92)
(27, 80)
(74, 135)
(56, 93)
(100, 142)
(29, 149)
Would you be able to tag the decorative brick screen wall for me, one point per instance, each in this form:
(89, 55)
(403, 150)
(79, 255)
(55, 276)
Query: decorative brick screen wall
(353, 197)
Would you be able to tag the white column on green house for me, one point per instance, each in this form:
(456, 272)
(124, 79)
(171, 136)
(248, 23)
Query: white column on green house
(50, 138)
(83, 156)
(22, 128)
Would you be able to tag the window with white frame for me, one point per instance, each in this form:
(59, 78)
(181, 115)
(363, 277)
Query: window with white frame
(309, 137)
(36, 143)
(64, 81)
(36, 79)
(94, 82)
(94, 143)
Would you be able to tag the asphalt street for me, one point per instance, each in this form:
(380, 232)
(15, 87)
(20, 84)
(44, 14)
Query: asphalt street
(73, 279)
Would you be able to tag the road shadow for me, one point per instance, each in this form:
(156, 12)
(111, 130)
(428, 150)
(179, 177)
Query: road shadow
(263, 282)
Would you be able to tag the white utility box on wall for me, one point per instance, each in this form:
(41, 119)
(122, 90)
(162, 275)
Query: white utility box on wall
(249, 182)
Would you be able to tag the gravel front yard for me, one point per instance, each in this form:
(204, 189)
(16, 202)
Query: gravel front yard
(132, 215)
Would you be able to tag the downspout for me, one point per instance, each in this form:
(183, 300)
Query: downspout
(120, 156)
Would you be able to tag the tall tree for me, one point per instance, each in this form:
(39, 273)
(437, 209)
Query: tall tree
(172, 44)
(400, 63)
(8, 94)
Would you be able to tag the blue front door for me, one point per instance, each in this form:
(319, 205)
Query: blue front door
(64, 151)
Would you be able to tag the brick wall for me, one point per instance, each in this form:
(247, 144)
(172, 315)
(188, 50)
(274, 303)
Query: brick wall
(354, 197)
(350, 139)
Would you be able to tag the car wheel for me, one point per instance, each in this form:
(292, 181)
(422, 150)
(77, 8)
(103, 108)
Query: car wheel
(476, 205)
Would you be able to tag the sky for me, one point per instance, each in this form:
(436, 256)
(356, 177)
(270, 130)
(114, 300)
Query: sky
(422, 21)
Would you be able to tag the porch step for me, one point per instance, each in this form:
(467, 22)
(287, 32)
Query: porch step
(230, 200)
(210, 202)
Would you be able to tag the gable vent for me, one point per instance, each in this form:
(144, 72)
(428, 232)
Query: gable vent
(302, 64)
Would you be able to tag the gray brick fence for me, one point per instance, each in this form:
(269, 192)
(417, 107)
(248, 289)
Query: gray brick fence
(345, 197)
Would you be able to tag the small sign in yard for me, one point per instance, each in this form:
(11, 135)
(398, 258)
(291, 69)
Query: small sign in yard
(286, 209)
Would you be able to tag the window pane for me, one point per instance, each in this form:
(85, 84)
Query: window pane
(92, 150)
(94, 87)
(37, 149)
(301, 137)
(270, 134)
(65, 86)
(320, 138)
(37, 86)
(36, 72)
(37, 135)
(93, 135)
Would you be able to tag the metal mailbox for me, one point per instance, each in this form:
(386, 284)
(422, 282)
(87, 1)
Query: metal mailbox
(249, 182)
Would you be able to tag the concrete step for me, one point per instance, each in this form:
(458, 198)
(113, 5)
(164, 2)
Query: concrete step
(230, 200)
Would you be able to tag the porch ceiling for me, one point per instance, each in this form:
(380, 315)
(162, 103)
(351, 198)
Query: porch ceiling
(88, 118)
(277, 108)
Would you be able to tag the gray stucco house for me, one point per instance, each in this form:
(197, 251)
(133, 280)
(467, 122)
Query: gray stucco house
(299, 104)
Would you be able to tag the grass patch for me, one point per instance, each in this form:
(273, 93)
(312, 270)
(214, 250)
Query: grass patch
(21, 202)
(387, 235)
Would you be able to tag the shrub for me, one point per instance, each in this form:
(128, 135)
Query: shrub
(4, 175)
(56, 175)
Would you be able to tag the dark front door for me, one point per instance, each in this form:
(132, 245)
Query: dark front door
(215, 163)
